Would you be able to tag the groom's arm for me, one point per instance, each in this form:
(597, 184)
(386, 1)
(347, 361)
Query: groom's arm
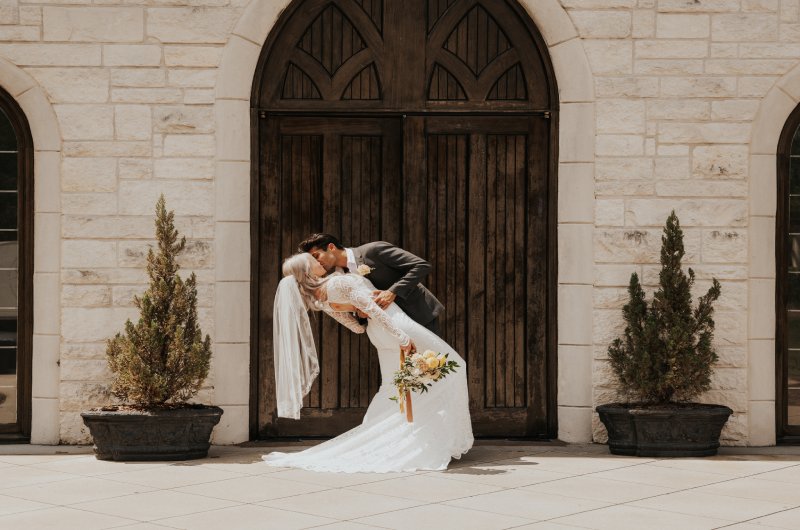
(414, 268)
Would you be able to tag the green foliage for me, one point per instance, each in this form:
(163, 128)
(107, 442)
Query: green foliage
(163, 358)
(666, 353)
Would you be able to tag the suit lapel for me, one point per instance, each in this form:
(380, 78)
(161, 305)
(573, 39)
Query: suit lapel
(358, 255)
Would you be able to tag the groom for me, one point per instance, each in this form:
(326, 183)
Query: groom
(397, 273)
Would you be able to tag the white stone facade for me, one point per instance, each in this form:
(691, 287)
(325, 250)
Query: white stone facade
(663, 104)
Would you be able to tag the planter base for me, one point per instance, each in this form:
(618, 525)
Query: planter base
(684, 430)
(168, 434)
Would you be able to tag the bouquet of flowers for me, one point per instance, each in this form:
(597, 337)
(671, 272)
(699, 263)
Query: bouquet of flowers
(417, 372)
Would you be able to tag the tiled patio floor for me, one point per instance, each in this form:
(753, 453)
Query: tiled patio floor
(493, 487)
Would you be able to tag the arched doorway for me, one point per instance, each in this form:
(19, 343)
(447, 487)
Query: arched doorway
(428, 123)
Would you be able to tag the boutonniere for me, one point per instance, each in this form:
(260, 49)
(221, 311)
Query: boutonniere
(364, 269)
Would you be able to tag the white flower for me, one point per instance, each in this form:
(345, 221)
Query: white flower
(364, 269)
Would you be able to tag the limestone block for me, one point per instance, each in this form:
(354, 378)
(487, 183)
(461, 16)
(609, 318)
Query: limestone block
(614, 275)
(89, 203)
(184, 168)
(762, 423)
(208, 56)
(85, 296)
(77, 253)
(733, 297)
(45, 421)
(575, 376)
(85, 122)
(608, 325)
(701, 133)
(682, 26)
(192, 78)
(46, 313)
(45, 242)
(735, 399)
(191, 24)
(790, 11)
(723, 50)
(88, 174)
(620, 145)
(73, 85)
(700, 87)
(77, 396)
(610, 297)
(671, 49)
(749, 66)
(131, 55)
(30, 15)
(575, 424)
(233, 427)
(643, 24)
(724, 246)
(735, 356)
(734, 433)
(72, 429)
(576, 146)
(720, 161)
(19, 33)
(233, 250)
(624, 187)
(85, 370)
(230, 365)
(232, 184)
(45, 362)
(610, 57)
(133, 122)
(709, 6)
(47, 181)
(605, 24)
(146, 95)
(597, 4)
(183, 119)
(671, 109)
(734, 109)
(188, 145)
(186, 198)
(761, 370)
(94, 324)
(731, 327)
(196, 254)
(89, 275)
(674, 150)
(763, 188)
(762, 50)
(138, 77)
(599, 433)
(620, 116)
(669, 66)
(93, 24)
(755, 87)
(107, 149)
(232, 312)
(9, 12)
(135, 168)
(236, 74)
(199, 96)
(762, 247)
(691, 212)
(574, 253)
(575, 314)
(31, 54)
(729, 379)
(743, 28)
(639, 245)
(758, 6)
(609, 212)
(702, 188)
(123, 295)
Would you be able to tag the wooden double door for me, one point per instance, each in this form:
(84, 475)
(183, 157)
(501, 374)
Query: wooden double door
(467, 193)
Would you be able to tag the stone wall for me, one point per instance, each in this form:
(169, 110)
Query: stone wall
(135, 86)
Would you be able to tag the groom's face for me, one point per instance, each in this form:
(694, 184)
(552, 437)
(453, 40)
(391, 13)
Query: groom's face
(325, 256)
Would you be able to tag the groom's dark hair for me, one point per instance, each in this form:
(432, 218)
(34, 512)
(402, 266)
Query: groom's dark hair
(319, 241)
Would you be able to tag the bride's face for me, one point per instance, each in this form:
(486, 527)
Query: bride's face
(315, 268)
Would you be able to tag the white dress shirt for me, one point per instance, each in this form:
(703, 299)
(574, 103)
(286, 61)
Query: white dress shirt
(352, 266)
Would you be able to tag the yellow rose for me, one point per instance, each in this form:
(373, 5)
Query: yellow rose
(432, 363)
(428, 354)
(442, 360)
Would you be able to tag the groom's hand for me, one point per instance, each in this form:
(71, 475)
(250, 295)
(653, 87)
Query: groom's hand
(408, 349)
(383, 298)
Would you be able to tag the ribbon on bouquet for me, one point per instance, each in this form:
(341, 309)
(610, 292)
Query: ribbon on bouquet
(409, 411)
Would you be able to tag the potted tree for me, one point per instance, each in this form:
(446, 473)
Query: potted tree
(159, 363)
(663, 361)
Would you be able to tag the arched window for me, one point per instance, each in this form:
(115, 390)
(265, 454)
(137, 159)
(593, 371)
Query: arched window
(16, 270)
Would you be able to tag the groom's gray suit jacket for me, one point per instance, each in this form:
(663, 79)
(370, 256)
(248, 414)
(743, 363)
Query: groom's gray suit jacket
(401, 272)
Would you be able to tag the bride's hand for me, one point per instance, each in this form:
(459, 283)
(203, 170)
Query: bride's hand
(409, 348)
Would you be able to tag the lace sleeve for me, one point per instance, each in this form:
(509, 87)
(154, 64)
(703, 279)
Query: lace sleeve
(362, 299)
(347, 320)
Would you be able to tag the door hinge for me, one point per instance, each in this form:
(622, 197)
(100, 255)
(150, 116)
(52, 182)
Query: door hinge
(262, 114)
(547, 115)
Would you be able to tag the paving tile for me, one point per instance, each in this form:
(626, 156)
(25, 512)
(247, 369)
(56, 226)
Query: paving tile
(246, 517)
(341, 504)
(61, 518)
(661, 476)
(252, 488)
(598, 489)
(89, 466)
(728, 465)
(789, 519)
(788, 474)
(715, 506)
(144, 526)
(425, 488)
(9, 505)
(507, 474)
(19, 476)
(27, 460)
(755, 488)
(626, 517)
(519, 503)
(548, 525)
(352, 525)
(153, 505)
(171, 476)
(337, 479)
(577, 464)
(438, 517)
(76, 490)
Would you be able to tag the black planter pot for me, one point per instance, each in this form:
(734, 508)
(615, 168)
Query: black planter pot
(158, 434)
(690, 429)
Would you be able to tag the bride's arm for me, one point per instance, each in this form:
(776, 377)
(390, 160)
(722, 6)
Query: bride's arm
(362, 299)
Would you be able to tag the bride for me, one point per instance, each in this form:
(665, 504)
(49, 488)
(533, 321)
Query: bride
(385, 441)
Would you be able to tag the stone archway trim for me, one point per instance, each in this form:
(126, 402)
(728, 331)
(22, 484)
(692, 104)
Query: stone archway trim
(575, 216)
(45, 424)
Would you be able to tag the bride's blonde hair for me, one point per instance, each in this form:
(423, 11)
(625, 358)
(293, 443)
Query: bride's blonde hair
(299, 266)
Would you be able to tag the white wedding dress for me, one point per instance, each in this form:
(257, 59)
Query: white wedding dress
(385, 441)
